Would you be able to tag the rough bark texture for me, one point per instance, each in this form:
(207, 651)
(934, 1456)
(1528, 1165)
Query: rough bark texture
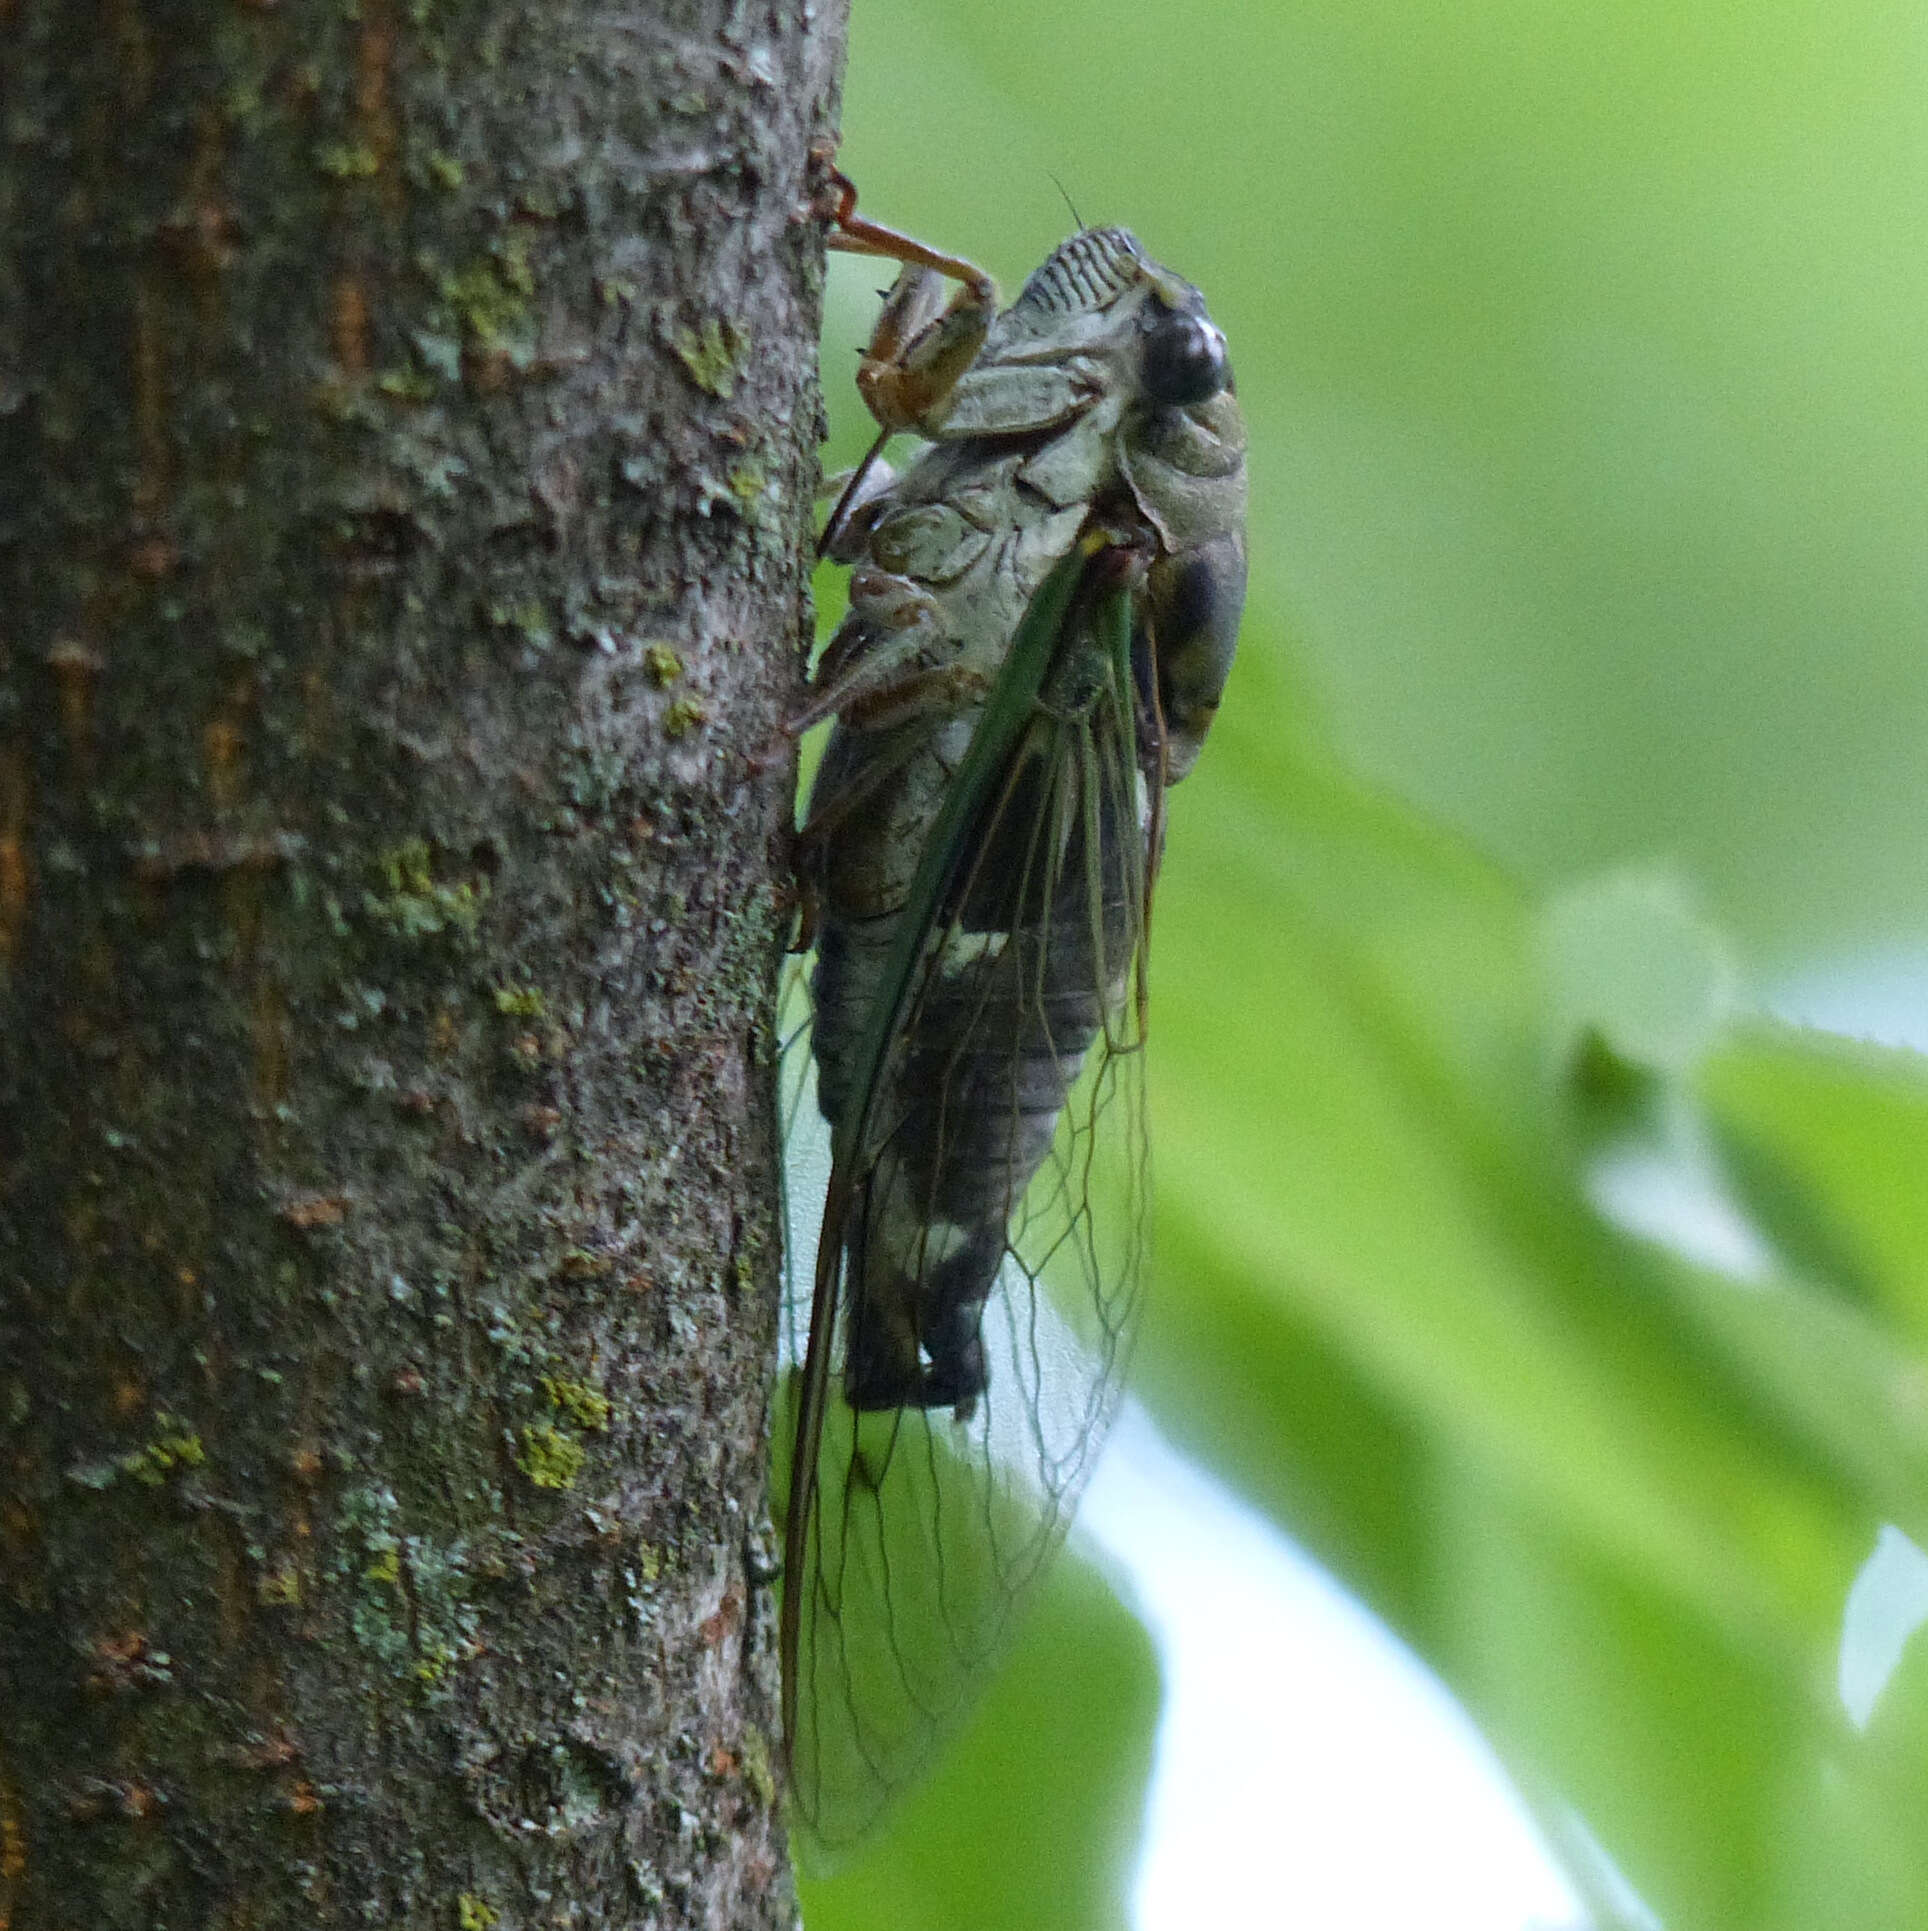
(407, 424)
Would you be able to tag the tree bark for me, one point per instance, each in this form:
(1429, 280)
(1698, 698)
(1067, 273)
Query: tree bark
(407, 431)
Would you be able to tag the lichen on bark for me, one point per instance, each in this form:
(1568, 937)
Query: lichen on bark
(407, 431)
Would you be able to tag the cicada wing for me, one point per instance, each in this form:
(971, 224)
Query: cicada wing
(1007, 1095)
(806, 1170)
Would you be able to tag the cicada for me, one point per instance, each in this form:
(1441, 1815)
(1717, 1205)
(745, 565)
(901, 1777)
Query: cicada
(1043, 610)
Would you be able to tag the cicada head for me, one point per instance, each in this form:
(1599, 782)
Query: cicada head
(1183, 360)
(1100, 295)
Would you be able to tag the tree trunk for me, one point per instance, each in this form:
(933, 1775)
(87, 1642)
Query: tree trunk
(407, 428)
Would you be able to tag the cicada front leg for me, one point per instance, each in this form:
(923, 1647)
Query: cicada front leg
(922, 344)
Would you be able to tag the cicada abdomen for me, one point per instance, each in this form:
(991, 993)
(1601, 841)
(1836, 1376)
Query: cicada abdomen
(1027, 959)
(1041, 618)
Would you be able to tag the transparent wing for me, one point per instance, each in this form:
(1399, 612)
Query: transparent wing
(976, 1274)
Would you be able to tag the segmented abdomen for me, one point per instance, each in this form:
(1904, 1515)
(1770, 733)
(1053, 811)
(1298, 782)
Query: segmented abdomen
(1028, 964)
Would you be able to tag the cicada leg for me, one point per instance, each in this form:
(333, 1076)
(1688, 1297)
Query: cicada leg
(918, 349)
(922, 343)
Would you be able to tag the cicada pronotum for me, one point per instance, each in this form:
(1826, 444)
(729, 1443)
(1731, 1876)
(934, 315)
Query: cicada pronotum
(1043, 608)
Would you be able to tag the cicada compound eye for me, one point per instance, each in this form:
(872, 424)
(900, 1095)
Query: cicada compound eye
(1185, 360)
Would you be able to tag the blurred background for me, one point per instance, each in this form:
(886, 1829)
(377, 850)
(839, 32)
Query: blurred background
(1522, 1525)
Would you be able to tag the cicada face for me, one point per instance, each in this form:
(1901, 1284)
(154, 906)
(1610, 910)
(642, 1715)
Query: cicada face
(1043, 609)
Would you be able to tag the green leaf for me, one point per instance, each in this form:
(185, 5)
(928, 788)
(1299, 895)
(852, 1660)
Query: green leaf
(1616, 1500)
(1031, 1817)
(1829, 1139)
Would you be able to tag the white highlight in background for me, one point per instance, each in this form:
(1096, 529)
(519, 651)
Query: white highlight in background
(1881, 997)
(1309, 1771)
(1886, 1606)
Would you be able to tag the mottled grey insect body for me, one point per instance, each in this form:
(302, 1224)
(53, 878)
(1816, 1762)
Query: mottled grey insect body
(1102, 393)
(1043, 607)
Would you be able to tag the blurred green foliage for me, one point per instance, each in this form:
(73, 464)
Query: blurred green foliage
(1582, 691)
